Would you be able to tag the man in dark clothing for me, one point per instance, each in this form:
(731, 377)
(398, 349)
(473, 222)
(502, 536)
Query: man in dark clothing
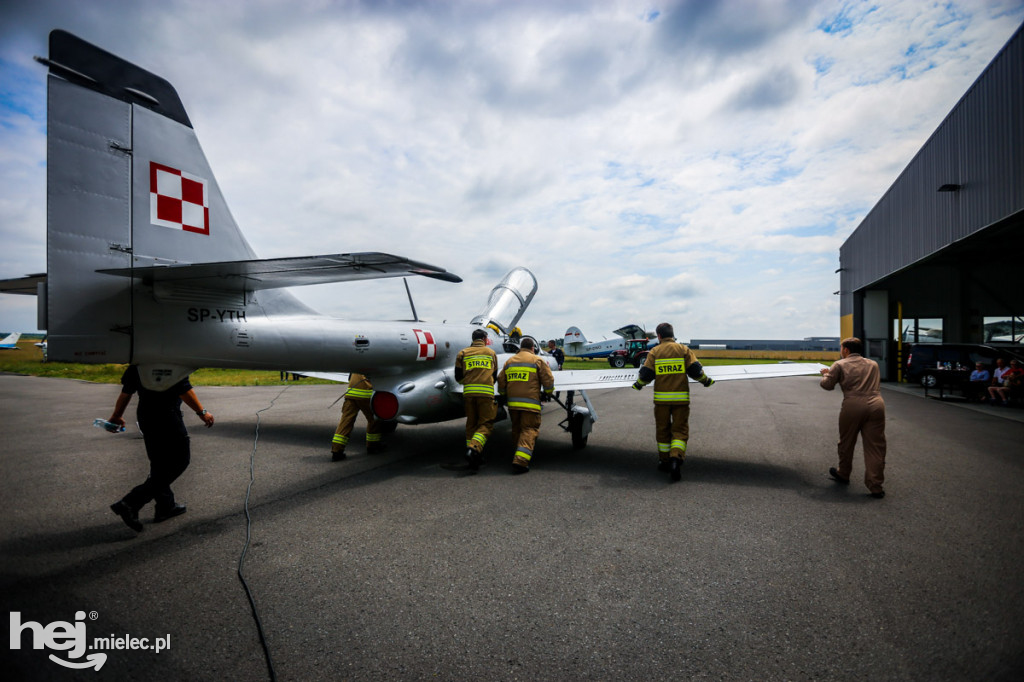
(554, 350)
(167, 444)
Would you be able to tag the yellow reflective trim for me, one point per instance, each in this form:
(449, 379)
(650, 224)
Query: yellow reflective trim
(480, 438)
(521, 405)
(667, 397)
(478, 389)
(678, 445)
(478, 362)
(525, 454)
(372, 437)
(672, 366)
(663, 447)
(519, 373)
(359, 393)
(339, 440)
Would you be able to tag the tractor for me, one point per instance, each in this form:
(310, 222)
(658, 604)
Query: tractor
(635, 353)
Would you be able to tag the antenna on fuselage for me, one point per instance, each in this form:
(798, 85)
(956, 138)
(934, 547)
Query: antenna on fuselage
(415, 317)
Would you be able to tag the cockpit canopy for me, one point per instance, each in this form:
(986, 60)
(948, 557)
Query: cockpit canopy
(508, 300)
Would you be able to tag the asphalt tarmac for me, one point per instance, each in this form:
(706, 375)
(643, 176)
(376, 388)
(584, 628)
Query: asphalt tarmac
(592, 566)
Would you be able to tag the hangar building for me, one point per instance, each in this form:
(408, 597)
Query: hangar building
(938, 257)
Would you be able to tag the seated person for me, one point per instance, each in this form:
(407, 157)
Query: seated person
(1013, 384)
(980, 379)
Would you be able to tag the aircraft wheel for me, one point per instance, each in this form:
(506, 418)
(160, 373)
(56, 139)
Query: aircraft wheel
(388, 427)
(579, 441)
(618, 362)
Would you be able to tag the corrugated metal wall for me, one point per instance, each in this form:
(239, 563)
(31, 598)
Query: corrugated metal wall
(980, 146)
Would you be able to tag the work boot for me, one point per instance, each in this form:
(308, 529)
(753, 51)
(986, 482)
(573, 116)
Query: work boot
(169, 513)
(664, 466)
(834, 475)
(338, 455)
(474, 458)
(128, 515)
(676, 469)
(519, 469)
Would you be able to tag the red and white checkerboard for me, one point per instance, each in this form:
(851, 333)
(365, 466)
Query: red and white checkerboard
(427, 347)
(178, 200)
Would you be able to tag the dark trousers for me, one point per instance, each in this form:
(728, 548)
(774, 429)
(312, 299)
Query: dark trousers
(169, 455)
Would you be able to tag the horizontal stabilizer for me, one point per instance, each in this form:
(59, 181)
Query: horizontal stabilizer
(275, 273)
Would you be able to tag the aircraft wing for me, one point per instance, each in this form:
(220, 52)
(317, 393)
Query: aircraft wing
(22, 285)
(590, 379)
(782, 369)
(274, 273)
(340, 377)
(631, 331)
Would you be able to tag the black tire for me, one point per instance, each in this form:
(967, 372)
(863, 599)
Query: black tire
(579, 441)
(617, 361)
(928, 380)
(388, 427)
(639, 361)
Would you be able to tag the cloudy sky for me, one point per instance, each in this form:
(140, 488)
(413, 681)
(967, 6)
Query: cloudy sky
(696, 162)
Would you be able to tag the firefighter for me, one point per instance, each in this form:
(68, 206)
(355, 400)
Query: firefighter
(476, 368)
(357, 399)
(668, 365)
(524, 383)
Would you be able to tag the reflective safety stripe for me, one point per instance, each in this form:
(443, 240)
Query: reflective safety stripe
(663, 447)
(523, 404)
(524, 453)
(671, 397)
(359, 393)
(373, 437)
(670, 366)
(480, 438)
(519, 373)
(679, 445)
(340, 440)
(478, 389)
(477, 362)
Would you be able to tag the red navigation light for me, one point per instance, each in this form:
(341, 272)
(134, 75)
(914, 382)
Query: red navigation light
(384, 405)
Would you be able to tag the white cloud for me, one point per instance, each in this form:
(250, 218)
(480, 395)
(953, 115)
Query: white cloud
(689, 161)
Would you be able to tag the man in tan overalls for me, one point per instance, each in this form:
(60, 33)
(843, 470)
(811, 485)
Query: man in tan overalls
(863, 412)
(476, 368)
(357, 399)
(670, 366)
(524, 382)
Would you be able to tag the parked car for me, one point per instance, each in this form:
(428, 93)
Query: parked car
(926, 360)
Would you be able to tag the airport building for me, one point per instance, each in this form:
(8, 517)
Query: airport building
(937, 258)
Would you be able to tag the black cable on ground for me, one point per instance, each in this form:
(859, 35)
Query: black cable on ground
(248, 536)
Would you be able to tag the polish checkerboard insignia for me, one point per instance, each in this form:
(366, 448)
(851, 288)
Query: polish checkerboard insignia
(427, 348)
(178, 200)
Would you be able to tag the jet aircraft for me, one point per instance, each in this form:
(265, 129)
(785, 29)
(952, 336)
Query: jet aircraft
(10, 342)
(148, 266)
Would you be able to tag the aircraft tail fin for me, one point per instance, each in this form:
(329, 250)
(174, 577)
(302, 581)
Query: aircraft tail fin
(11, 339)
(127, 186)
(573, 341)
